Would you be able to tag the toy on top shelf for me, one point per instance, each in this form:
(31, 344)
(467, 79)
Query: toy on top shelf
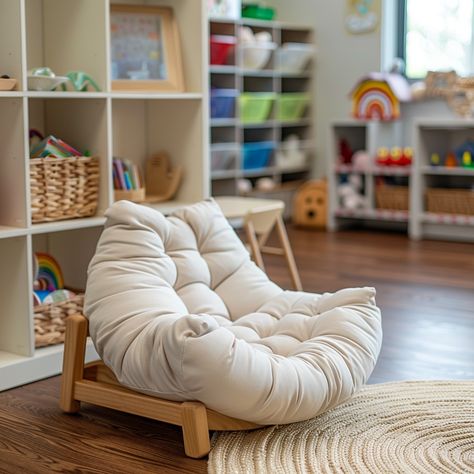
(462, 156)
(377, 96)
(44, 79)
(450, 161)
(7, 83)
(351, 194)
(310, 204)
(435, 159)
(397, 156)
(79, 81)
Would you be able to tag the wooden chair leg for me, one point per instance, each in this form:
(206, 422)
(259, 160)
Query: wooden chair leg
(195, 429)
(73, 361)
(290, 259)
(254, 246)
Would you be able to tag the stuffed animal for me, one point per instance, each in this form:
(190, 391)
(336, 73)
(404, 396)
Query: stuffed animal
(345, 152)
(361, 160)
(350, 193)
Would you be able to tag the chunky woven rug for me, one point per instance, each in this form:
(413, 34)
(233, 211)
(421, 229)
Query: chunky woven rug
(402, 427)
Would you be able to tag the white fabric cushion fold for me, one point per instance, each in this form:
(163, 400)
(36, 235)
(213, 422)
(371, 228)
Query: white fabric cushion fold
(178, 310)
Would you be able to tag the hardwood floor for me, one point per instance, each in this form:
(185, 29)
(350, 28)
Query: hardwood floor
(425, 290)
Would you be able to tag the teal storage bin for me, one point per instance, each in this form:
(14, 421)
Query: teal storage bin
(257, 155)
(292, 105)
(255, 107)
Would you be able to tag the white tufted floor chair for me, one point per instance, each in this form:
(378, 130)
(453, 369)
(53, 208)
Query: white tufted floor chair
(178, 312)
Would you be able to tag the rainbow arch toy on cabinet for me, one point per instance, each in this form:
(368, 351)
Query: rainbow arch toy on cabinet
(377, 96)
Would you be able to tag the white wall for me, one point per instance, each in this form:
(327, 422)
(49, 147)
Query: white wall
(341, 59)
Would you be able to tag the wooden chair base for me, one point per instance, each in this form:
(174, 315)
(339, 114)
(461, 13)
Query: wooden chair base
(96, 384)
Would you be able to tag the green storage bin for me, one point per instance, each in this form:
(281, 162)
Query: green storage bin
(252, 10)
(255, 107)
(292, 105)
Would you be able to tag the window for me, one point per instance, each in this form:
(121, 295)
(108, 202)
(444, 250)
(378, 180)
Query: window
(436, 35)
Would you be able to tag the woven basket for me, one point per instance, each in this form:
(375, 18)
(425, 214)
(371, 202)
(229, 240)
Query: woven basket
(63, 188)
(450, 201)
(50, 320)
(395, 198)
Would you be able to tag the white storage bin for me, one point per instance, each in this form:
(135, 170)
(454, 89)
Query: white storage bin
(224, 156)
(256, 55)
(293, 57)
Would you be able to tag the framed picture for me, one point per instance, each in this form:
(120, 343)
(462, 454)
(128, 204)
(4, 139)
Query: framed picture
(145, 49)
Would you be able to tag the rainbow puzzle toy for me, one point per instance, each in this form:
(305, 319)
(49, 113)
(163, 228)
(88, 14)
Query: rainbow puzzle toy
(377, 96)
(49, 276)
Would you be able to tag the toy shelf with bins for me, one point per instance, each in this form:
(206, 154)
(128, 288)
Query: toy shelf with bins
(133, 125)
(234, 132)
(440, 136)
(368, 136)
(428, 136)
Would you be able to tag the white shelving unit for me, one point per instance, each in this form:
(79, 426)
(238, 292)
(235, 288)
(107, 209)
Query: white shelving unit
(426, 136)
(232, 133)
(133, 125)
(439, 136)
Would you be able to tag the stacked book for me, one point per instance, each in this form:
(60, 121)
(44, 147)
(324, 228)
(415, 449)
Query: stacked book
(126, 175)
(53, 147)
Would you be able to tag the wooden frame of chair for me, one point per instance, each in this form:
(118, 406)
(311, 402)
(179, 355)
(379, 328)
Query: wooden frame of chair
(258, 225)
(96, 384)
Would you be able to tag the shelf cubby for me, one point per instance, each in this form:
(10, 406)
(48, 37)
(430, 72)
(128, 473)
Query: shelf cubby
(144, 128)
(15, 297)
(82, 46)
(81, 123)
(10, 40)
(72, 249)
(13, 211)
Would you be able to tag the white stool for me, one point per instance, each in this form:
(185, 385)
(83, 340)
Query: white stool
(260, 217)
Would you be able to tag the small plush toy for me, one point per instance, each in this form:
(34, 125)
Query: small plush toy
(345, 152)
(467, 161)
(350, 193)
(435, 159)
(383, 156)
(407, 156)
(451, 161)
(361, 160)
(395, 156)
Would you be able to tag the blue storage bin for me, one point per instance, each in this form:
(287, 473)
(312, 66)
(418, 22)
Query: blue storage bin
(223, 103)
(257, 155)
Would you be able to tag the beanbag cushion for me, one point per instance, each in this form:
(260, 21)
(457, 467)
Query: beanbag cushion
(178, 310)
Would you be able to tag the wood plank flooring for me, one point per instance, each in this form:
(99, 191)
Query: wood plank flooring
(425, 290)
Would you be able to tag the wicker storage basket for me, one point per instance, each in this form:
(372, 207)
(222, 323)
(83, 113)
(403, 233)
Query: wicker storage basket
(450, 201)
(50, 320)
(395, 198)
(63, 188)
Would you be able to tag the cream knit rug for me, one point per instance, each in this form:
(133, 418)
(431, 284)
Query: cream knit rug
(402, 427)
